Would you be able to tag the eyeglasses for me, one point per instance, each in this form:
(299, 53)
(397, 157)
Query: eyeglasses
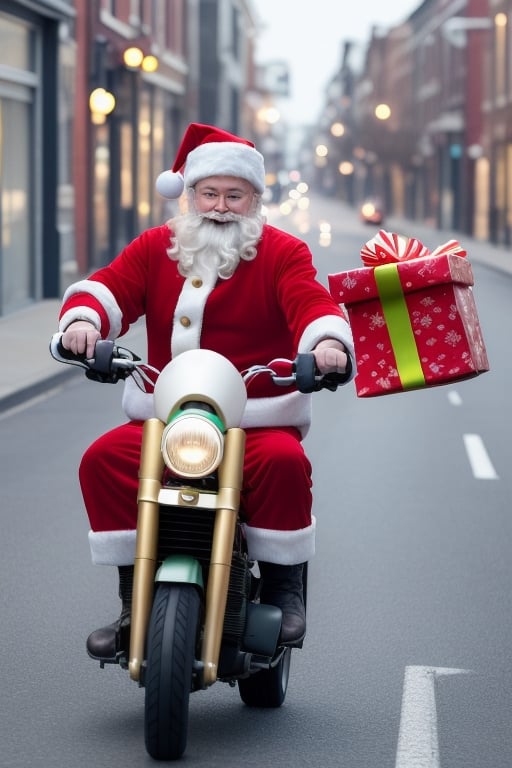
(232, 199)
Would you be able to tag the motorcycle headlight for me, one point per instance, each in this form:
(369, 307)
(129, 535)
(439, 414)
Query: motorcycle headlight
(193, 443)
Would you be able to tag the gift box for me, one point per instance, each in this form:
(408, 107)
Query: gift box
(413, 315)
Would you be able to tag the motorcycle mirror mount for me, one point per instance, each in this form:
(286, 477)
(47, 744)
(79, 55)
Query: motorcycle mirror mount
(204, 376)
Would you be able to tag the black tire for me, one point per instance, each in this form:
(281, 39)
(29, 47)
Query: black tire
(268, 687)
(168, 680)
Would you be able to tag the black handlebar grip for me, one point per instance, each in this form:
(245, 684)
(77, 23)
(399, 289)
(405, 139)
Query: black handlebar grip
(305, 370)
(67, 354)
(103, 355)
(306, 374)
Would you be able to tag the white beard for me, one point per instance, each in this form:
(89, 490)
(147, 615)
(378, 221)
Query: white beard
(203, 247)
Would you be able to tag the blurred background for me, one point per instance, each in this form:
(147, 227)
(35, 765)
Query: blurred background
(407, 108)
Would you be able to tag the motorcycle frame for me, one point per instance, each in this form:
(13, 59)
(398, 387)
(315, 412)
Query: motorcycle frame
(225, 502)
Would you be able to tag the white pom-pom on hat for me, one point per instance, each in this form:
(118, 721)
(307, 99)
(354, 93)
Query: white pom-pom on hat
(209, 151)
(170, 185)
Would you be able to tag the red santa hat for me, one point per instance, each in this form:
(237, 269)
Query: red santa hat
(208, 151)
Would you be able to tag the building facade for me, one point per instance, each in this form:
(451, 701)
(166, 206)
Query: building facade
(441, 150)
(495, 153)
(36, 43)
(94, 98)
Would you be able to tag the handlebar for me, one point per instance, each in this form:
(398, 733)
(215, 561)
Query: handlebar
(109, 364)
(112, 363)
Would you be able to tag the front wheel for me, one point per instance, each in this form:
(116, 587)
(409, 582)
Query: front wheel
(168, 679)
(268, 687)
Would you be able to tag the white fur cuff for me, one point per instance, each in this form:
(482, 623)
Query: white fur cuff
(282, 547)
(112, 547)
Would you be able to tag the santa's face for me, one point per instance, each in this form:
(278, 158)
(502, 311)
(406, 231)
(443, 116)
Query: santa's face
(219, 196)
(224, 226)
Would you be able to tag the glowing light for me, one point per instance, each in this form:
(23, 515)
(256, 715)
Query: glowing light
(346, 168)
(500, 20)
(149, 63)
(321, 150)
(382, 112)
(133, 57)
(302, 187)
(368, 209)
(269, 115)
(337, 129)
(101, 102)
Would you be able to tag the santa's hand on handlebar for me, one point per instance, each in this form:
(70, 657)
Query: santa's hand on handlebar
(80, 338)
(330, 356)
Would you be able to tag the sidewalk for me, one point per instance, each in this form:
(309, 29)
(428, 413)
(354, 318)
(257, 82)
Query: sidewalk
(28, 368)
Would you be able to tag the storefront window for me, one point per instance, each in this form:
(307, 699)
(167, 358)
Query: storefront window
(16, 44)
(17, 248)
(16, 205)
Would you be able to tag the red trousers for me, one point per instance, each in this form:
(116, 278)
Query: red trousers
(276, 491)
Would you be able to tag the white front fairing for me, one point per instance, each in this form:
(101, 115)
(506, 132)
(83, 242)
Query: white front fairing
(205, 376)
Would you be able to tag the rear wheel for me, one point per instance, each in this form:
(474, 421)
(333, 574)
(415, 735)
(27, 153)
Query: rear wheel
(170, 658)
(268, 687)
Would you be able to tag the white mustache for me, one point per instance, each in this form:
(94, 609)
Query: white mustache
(216, 216)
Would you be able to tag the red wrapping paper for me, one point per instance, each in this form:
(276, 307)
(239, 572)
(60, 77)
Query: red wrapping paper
(435, 290)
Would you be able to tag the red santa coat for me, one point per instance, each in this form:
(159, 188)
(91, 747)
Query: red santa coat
(271, 307)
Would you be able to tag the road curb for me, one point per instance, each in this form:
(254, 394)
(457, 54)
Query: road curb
(34, 390)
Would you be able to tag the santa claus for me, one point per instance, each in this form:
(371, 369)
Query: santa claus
(219, 277)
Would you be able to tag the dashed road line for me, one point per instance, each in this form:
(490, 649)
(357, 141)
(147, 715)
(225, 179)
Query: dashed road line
(454, 397)
(481, 464)
(418, 744)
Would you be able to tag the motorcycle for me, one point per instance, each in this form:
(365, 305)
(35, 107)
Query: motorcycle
(196, 615)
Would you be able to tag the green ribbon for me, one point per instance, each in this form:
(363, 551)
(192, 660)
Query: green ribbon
(399, 326)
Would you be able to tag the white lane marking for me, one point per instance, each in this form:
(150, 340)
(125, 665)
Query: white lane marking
(479, 458)
(454, 397)
(418, 745)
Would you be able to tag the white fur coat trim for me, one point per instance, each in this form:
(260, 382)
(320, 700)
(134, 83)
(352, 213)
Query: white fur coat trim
(283, 547)
(188, 314)
(329, 327)
(112, 547)
(290, 410)
(79, 313)
(106, 298)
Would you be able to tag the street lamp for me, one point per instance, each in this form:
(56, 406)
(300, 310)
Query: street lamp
(135, 58)
(101, 104)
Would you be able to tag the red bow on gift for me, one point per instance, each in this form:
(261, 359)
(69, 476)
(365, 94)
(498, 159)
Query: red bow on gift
(387, 248)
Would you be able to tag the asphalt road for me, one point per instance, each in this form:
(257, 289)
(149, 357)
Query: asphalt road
(408, 656)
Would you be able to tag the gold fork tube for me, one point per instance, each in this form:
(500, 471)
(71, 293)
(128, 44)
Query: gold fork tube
(150, 478)
(228, 501)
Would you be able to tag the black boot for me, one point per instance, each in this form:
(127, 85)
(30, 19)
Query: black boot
(282, 587)
(109, 643)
